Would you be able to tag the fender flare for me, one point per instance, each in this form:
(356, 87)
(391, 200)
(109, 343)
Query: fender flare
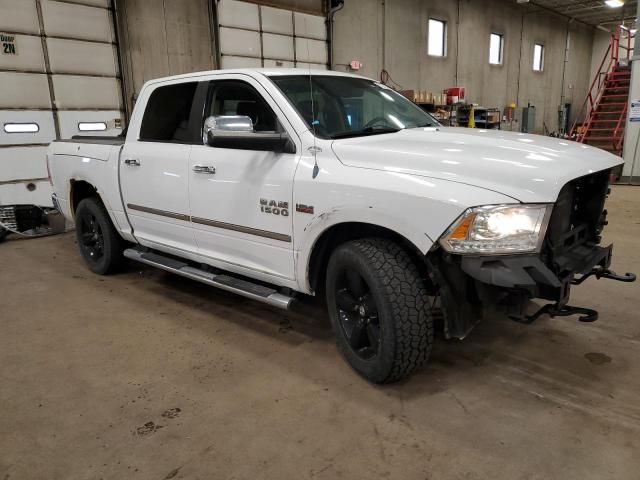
(373, 216)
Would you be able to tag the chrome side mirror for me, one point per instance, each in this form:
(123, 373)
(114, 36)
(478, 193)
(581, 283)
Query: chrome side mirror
(236, 131)
(219, 125)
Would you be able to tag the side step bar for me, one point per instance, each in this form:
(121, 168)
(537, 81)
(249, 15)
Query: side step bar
(242, 287)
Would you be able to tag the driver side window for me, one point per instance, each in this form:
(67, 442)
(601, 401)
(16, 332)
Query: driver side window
(234, 97)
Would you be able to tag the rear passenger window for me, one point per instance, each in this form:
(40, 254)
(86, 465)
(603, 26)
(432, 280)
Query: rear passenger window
(166, 118)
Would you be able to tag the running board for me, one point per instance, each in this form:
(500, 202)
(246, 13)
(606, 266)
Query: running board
(239, 286)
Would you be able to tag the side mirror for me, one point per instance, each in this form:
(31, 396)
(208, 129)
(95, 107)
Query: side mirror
(236, 131)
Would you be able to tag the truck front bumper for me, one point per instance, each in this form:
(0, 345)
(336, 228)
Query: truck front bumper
(528, 273)
(470, 284)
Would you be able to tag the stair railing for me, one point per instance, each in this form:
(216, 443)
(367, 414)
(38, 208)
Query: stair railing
(629, 37)
(619, 139)
(618, 133)
(610, 59)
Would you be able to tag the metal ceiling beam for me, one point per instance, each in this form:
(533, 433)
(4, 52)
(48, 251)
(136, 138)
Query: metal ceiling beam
(556, 12)
(589, 12)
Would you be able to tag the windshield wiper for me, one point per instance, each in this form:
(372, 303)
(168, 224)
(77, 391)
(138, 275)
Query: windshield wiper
(364, 132)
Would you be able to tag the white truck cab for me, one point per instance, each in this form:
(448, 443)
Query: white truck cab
(285, 182)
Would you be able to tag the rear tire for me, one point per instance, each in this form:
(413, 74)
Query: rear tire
(100, 245)
(3, 234)
(378, 306)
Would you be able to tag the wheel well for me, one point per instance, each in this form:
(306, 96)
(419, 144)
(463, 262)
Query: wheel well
(79, 191)
(341, 233)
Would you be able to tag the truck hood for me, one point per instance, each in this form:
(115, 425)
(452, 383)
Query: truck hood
(528, 168)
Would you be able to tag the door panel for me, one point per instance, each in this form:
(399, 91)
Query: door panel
(80, 57)
(242, 213)
(154, 170)
(24, 91)
(311, 51)
(234, 41)
(310, 26)
(41, 132)
(29, 56)
(80, 92)
(229, 222)
(26, 162)
(276, 20)
(83, 22)
(156, 194)
(19, 16)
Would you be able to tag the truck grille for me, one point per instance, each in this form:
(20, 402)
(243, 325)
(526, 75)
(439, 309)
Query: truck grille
(578, 217)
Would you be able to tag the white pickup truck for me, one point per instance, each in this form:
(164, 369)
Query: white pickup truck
(279, 183)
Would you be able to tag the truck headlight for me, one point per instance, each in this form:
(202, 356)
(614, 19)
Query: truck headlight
(498, 229)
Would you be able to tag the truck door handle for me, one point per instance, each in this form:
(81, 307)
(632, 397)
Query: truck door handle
(134, 162)
(204, 169)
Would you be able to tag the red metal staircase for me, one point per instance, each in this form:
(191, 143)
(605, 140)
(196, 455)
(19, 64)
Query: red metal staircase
(605, 108)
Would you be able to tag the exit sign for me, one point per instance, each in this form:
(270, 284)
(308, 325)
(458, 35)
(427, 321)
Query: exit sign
(8, 44)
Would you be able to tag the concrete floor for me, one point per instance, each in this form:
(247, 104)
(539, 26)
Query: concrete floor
(146, 375)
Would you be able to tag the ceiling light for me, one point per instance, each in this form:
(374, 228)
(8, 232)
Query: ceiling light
(614, 3)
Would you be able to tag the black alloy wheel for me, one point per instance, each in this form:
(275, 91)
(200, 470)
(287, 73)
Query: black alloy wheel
(358, 313)
(378, 306)
(101, 246)
(91, 237)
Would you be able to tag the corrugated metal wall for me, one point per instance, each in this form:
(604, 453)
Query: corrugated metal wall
(60, 78)
(254, 35)
(161, 38)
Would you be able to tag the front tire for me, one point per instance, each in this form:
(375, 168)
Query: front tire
(101, 246)
(378, 306)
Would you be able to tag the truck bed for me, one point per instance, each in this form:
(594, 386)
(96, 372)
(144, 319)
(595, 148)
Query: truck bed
(98, 148)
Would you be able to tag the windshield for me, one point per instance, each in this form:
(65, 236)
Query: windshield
(349, 107)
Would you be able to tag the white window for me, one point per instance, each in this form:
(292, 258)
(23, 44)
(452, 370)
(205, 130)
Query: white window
(92, 126)
(21, 127)
(437, 37)
(538, 57)
(496, 47)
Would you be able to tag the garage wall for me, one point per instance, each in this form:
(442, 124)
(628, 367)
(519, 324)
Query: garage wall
(393, 36)
(161, 38)
(254, 35)
(61, 78)
(546, 90)
(167, 37)
(315, 7)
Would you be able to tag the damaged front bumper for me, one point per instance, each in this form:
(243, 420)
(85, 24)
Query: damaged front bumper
(570, 253)
(469, 284)
(530, 275)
